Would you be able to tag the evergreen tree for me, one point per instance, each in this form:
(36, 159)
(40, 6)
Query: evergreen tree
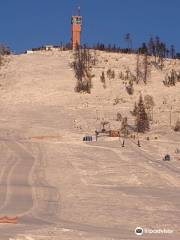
(142, 121)
(135, 110)
(124, 126)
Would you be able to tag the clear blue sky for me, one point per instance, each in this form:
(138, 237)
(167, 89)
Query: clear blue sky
(31, 23)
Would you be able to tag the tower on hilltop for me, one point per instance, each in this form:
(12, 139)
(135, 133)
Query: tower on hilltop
(76, 22)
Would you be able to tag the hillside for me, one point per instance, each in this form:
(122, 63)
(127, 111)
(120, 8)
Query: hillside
(45, 78)
(76, 190)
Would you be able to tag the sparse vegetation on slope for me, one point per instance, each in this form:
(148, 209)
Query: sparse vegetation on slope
(171, 78)
(82, 66)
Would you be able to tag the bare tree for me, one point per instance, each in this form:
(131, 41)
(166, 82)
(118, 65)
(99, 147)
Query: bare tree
(128, 40)
(143, 67)
(137, 67)
(146, 69)
(177, 126)
(4, 50)
(171, 78)
(103, 79)
(149, 101)
(82, 68)
(172, 51)
(103, 124)
(119, 117)
(129, 88)
(110, 74)
(149, 105)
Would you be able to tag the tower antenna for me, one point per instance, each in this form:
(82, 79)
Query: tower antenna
(79, 11)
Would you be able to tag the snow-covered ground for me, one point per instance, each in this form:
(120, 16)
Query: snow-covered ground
(63, 188)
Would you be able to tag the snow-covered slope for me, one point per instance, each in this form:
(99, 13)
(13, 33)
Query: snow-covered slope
(104, 191)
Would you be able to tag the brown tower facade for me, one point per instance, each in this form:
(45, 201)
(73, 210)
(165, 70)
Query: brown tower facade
(76, 22)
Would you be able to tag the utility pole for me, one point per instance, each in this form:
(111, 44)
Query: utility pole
(170, 117)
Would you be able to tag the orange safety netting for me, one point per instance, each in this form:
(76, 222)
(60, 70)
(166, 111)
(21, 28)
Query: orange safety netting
(6, 219)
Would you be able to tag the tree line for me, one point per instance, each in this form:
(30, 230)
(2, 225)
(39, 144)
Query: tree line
(153, 47)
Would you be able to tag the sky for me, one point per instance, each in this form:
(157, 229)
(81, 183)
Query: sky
(25, 24)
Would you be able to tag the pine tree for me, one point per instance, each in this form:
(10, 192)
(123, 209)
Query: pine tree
(142, 121)
(135, 110)
(124, 126)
